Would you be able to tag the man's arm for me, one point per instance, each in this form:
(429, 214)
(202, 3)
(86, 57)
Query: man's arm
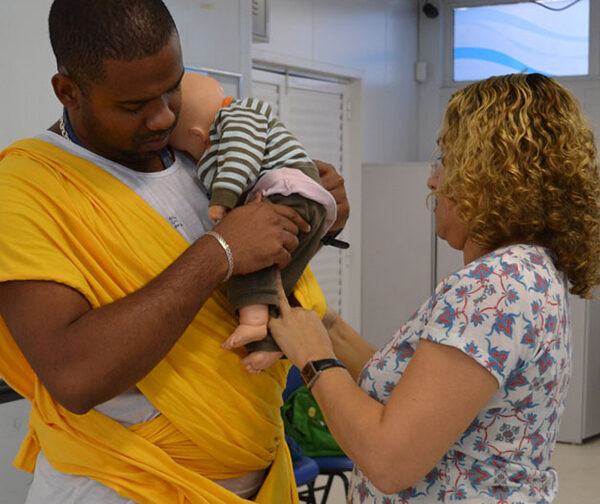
(86, 356)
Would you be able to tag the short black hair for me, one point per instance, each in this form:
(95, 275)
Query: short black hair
(86, 33)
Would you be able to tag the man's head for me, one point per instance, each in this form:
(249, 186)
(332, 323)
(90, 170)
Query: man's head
(119, 73)
(86, 34)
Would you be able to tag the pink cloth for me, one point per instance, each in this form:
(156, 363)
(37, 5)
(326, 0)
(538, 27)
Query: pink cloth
(286, 181)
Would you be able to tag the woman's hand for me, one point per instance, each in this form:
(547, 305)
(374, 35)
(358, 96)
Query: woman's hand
(299, 333)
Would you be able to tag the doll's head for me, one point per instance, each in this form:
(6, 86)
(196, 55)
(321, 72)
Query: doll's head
(202, 97)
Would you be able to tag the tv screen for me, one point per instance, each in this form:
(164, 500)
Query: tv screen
(521, 37)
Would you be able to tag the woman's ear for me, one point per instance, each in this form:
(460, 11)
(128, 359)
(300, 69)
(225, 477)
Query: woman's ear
(66, 90)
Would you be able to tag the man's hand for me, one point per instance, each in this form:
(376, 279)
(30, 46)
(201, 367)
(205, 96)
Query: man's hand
(334, 183)
(261, 234)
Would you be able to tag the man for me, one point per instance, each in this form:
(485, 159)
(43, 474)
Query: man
(110, 288)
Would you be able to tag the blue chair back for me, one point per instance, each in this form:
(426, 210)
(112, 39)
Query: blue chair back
(294, 381)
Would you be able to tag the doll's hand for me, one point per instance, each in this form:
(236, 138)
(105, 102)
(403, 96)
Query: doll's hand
(216, 212)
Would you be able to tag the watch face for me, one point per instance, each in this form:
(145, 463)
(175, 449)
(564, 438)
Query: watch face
(308, 372)
(313, 369)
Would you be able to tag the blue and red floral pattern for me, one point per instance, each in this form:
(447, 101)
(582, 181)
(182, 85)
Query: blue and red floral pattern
(509, 311)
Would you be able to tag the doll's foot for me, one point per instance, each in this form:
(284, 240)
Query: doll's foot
(260, 360)
(243, 334)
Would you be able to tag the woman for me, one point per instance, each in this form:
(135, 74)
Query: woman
(464, 403)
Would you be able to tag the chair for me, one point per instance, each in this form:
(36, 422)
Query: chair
(306, 471)
(332, 467)
(294, 381)
(327, 466)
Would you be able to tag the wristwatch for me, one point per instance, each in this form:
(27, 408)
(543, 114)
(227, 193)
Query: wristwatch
(311, 371)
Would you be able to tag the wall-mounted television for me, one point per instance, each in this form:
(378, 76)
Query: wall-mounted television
(492, 38)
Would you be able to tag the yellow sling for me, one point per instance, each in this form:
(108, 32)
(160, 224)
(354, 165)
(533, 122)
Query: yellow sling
(66, 220)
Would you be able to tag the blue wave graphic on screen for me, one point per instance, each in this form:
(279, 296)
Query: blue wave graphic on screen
(498, 17)
(519, 37)
(492, 56)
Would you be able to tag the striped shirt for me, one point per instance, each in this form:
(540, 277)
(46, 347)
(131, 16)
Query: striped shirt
(246, 140)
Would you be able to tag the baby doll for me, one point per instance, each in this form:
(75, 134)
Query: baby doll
(242, 149)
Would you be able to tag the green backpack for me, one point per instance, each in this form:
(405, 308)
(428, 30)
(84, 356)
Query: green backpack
(304, 422)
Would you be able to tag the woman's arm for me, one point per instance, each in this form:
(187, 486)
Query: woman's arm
(349, 346)
(435, 401)
(440, 393)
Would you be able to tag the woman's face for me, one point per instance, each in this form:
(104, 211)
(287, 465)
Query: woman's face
(447, 224)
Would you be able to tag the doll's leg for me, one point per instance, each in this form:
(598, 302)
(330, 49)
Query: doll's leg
(255, 289)
(260, 287)
(252, 332)
(309, 243)
(263, 353)
(253, 324)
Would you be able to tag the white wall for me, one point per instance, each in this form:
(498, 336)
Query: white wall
(215, 35)
(396, 247)
(374, 39)
(27, 101)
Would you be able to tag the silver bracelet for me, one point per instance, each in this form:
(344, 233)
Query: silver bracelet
(227, 250)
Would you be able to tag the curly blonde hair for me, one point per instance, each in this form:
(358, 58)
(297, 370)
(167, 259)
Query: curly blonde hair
(522, 167)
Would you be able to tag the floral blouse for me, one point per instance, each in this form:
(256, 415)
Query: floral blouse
(509, 311)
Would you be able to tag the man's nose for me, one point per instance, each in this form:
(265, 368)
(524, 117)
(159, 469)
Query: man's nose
(161, 116)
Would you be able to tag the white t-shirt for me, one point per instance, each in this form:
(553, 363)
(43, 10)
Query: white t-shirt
(179, 197)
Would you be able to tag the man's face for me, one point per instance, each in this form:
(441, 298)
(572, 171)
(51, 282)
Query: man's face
(127, 116)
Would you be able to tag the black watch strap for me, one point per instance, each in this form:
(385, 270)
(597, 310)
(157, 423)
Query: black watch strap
(331, 240)
(311, 371)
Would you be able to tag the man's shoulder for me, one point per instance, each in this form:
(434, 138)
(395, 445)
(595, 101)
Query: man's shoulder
(27, 152)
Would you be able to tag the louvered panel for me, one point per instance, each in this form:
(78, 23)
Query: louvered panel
(267, 92)
(315, 117)
(327, 267)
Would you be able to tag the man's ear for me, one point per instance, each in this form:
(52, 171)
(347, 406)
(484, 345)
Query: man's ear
(66, 90)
